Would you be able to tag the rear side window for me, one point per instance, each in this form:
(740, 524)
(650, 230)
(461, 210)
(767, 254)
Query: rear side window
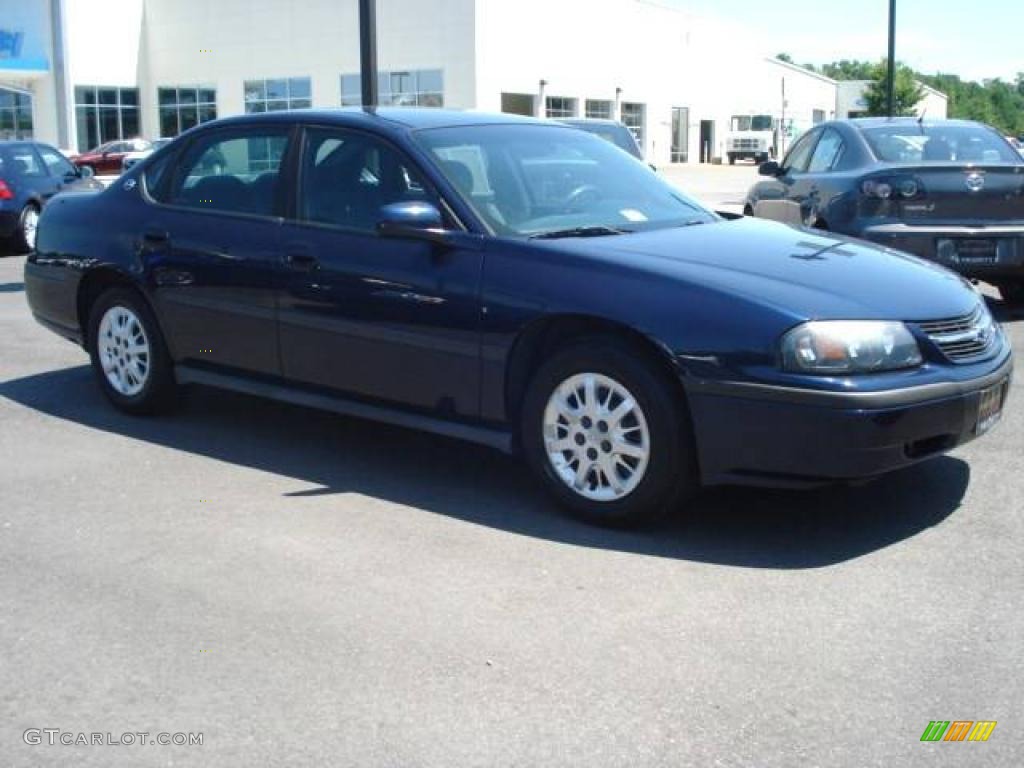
(827, 153)
(56, 163)
(232, 172)
(22, 161)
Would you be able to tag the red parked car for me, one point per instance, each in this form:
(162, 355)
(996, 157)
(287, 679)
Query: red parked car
(106, 159)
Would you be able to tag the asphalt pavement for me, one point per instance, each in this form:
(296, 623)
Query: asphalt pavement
(304, 589)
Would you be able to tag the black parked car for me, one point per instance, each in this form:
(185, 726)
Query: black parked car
(522, 284)
(30, 174)
(951, 191)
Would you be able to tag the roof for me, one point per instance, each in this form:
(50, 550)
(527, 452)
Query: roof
(412, 118)
(873, 122)
(801, 70)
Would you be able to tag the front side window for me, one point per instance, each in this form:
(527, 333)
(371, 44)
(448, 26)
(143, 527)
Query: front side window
(347, 177)
(526, 180)
(827, 153)
(55, 162)
(798, 156)
(105, 114)
(231, 172)
(278, 95)
(182, 108)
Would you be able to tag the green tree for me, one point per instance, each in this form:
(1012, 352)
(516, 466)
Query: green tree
(784, 57)
(906, 91)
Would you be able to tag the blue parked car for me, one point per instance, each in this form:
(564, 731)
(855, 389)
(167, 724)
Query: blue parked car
(521, 284)
(951, 191)
(30, 174)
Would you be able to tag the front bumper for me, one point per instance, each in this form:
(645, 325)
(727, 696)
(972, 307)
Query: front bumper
(986, 252)
(755, 434)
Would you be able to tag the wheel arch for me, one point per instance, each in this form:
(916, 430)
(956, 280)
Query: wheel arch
(544, 336)
(94, 283)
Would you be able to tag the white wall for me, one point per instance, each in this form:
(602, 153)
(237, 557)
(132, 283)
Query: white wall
(225, 42)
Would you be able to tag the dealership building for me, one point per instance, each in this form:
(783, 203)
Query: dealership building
(77, 73)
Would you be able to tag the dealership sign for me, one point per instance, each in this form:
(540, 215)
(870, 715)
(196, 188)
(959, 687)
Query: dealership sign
(10, 43)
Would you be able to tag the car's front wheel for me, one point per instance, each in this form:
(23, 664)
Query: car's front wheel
(1012, 293)
(607, 433)
(128, 353)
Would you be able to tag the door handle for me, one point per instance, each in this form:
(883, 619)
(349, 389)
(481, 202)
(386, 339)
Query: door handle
(301, 260)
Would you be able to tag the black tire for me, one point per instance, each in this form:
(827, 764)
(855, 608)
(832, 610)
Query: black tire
(22, 241)
(671, 471)
(1012, 293)
(159, 389)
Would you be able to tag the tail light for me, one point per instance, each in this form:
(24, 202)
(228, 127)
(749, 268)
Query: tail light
(901, 187)
(6, 193)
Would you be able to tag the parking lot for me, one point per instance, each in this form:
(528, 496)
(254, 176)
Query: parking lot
(305, 589)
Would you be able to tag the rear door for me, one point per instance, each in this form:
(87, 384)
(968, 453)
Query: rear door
(61, 172)
(785, 198)
(382, 318)
(211, 244)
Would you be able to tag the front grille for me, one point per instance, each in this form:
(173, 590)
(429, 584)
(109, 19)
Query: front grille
(745, 143)
(963, 339)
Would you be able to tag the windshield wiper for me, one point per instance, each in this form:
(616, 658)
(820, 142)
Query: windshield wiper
(596, 230)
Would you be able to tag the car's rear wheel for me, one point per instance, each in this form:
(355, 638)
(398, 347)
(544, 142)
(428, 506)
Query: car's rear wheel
(1012, 292)
(28, 224)
(607, 434)
(129, 356)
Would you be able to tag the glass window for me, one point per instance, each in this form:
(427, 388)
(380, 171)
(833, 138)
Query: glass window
(25, 162)
(15, 115)
(400, 88)
(277, 95)
(941, 143)
(236, 173)
(680, 134)
(827, 152)
(818, 116)
(184, 107)
(633, 117)
(527, 180)
(560, 106)
(347, 177)
(105, 114)
(799, 154)
(596, 108)
(55, 162)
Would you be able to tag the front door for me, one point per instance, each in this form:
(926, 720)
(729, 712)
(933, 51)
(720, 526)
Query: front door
(380, 318)
(786, 198)
(211, 247)
(707, 140)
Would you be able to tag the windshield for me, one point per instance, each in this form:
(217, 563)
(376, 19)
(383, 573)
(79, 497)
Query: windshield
(913, 143)
(527, 180)
(752, 123)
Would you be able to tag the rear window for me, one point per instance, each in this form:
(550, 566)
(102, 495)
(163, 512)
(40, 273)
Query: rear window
(913, 143)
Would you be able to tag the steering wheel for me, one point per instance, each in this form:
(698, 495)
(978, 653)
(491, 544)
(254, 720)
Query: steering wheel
(585, 193)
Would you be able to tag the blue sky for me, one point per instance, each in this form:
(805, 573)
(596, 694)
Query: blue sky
(972, 38)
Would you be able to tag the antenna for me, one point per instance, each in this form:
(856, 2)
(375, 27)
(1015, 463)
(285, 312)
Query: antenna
(920, 119)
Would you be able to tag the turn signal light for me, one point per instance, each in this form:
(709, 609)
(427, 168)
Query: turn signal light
(5, 192)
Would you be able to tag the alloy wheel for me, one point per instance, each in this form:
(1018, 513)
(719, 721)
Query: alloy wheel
(124, 350)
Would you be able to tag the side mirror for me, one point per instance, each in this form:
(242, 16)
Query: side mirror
(770, 168)
(85, 171)
(411, 219)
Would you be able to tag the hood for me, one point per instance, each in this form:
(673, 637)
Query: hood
(807, 274)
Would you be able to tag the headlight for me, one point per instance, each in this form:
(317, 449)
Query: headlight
(849, 346)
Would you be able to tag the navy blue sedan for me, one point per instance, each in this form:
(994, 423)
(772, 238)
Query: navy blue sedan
(951, 191)
(30, 174)
(520, 284)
